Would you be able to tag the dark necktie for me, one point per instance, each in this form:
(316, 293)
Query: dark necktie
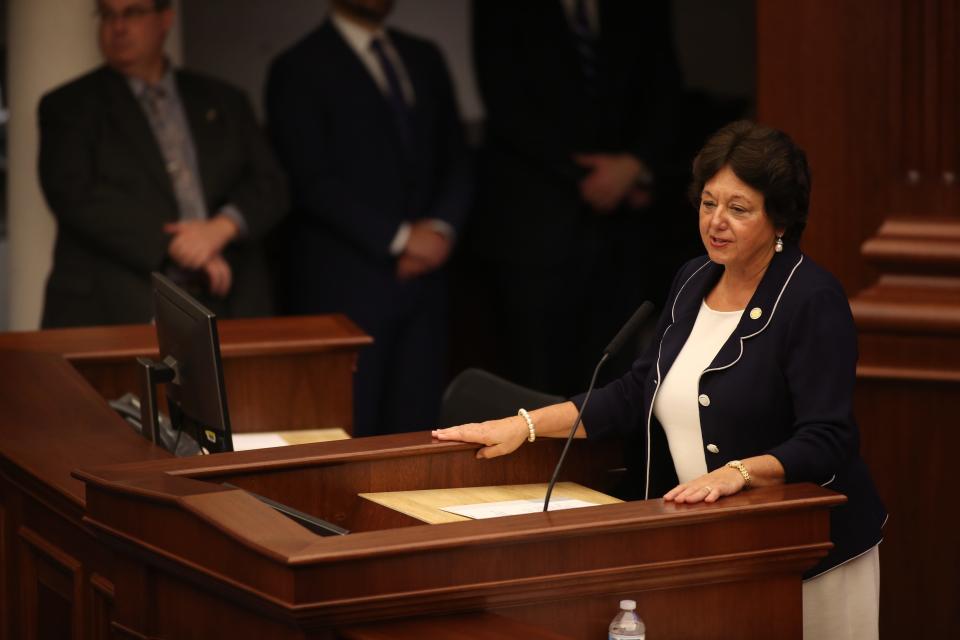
(586, 46)
(398, 104)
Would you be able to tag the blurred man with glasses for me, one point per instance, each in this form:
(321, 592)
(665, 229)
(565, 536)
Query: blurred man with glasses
(150, 168)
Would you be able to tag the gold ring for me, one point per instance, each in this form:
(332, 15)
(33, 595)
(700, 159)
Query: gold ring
(707, 487)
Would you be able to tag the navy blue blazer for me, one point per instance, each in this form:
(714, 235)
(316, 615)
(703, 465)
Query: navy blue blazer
(782, 384)
(353, 180)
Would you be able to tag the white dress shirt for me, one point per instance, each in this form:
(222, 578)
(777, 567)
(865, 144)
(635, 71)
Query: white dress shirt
(361, 41)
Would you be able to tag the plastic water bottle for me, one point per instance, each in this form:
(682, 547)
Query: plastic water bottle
(627, 625)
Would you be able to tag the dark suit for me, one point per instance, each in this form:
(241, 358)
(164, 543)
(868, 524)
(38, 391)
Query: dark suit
(353, 183)
(576, 274)
(782, 384)
(104, 177)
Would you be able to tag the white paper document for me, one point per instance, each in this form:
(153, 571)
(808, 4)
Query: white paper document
(248, 441)
(267, 439)
(513, 507)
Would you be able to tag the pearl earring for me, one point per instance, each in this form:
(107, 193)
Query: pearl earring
(778, 246)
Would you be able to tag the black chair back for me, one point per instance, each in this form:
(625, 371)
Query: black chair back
(476, 395)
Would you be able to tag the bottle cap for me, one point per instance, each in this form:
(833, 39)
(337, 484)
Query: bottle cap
(628, 605)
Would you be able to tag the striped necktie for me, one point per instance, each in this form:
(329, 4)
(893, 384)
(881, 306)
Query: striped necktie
(173, 147)
(586, 46)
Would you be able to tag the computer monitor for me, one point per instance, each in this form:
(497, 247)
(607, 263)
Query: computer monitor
(191, 368)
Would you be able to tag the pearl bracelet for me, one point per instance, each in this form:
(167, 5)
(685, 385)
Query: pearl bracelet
(533, 431)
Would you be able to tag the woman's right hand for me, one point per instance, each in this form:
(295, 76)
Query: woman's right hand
(500, 436)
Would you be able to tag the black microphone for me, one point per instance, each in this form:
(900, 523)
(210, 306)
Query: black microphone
(626, 332)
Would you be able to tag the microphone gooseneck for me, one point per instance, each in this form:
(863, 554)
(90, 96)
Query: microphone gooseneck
(573, 431)
(629, 329)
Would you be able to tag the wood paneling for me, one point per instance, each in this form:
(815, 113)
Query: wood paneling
(909, 381)
(51, 604)
(912, 441)
(822, 72)
(476, 626)
(101, 594)
(280, 373)
(5, 574)
(287, 392)
(923, 144)
(870, 89)
(56, 579)
(562, 571)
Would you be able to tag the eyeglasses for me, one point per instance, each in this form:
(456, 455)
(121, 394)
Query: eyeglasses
(130, 14)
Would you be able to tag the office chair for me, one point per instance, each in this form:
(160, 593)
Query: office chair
(476, 395)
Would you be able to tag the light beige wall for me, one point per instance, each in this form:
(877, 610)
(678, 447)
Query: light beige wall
(49, 42)
(236, 39)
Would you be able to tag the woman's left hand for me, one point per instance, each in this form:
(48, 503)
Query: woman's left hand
(709, 487)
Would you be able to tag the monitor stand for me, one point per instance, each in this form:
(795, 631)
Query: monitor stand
(154, 373)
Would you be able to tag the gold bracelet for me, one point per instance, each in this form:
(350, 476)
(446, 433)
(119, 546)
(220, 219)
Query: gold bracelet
(533, 431)
(736, 464)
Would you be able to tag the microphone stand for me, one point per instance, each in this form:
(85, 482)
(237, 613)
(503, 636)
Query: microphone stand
(628, 330)
(573, 431)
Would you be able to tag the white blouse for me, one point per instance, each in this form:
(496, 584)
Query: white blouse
(677, 406)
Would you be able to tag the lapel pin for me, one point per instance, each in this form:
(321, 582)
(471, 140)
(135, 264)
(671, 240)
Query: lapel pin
(755, 313)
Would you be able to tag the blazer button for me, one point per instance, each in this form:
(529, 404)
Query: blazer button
(712, 448)
(704, 400)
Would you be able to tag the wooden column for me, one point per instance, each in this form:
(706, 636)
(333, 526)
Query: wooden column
(909, 320)
(870, 89)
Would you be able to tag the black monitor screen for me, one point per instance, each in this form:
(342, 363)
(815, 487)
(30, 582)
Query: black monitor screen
(189, 344)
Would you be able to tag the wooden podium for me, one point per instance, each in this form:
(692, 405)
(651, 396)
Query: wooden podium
(103, 535)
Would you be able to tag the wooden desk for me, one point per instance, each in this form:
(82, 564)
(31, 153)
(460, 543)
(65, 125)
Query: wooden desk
(280, 373)
(159, 547)
(469, 626)
(212, 554)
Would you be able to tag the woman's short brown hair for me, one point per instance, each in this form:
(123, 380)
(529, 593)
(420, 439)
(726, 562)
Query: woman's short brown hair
(767, 160)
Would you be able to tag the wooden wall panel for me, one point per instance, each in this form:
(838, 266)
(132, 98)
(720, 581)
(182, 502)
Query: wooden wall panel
(911, 448)
(822, 70)
(56, 578)
(869, 88)
(281, 373)
(5, 574)
(101, 597)
(51, 604)
(922, 106)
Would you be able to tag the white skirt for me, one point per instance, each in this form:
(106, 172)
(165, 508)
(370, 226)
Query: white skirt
(844, 602)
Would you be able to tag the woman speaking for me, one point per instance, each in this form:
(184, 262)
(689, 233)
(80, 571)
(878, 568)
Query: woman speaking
(749, 380)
